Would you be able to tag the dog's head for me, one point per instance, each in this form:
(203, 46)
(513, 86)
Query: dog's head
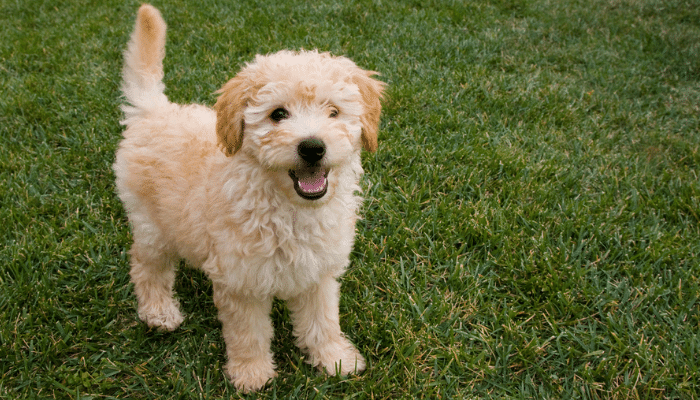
(300, 115)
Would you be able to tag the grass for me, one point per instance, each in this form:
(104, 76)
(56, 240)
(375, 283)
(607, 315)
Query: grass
(531, 225)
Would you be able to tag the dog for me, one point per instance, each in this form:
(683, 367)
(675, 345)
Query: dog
(261, 192)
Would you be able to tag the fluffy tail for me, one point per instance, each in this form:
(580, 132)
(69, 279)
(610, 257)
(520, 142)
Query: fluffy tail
(143, 64)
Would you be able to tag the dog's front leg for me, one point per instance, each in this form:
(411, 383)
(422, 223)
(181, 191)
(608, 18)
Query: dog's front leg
(316, 326)
(247, 331)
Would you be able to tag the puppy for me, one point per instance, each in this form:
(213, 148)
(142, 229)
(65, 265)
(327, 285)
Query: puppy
(261, 193)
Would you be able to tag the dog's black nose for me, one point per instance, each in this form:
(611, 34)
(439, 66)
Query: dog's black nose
(311, 150)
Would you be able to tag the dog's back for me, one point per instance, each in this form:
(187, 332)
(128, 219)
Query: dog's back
(162, 160)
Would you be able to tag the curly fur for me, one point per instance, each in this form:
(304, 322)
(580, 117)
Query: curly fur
(231, 191)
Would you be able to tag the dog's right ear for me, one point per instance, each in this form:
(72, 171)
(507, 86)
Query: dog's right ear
(229, 108)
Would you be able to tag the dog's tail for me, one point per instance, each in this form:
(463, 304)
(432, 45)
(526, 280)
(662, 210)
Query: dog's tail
(143, 64)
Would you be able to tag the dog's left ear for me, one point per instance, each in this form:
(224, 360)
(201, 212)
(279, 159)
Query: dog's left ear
(229, 114)
(372, 91)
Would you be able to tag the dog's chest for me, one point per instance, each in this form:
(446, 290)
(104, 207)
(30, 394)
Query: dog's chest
(282, 253)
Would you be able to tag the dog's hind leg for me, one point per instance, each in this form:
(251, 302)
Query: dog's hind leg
(153, 274)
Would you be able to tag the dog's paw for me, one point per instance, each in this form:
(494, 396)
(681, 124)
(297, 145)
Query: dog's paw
(340, 358)
(250, 376)
(164, 316)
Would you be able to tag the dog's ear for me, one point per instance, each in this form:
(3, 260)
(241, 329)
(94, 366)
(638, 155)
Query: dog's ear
(229, 108)
(371, 91)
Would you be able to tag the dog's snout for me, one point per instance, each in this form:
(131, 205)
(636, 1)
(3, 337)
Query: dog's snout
(311, 150)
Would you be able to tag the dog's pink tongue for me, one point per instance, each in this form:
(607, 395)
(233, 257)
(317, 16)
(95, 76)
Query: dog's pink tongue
(314, 182)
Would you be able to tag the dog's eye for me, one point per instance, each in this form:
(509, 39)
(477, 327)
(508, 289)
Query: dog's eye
(279, 114)
(334, 112)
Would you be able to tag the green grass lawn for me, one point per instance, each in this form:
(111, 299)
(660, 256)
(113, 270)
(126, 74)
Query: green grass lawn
(531, 226)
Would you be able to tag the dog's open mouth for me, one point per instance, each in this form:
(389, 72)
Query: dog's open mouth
(310, 183)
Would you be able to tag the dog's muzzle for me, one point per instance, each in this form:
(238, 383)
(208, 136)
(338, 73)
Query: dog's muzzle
(310, 179)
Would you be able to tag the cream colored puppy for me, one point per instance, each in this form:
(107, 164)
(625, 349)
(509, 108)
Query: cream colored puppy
(261, 193)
